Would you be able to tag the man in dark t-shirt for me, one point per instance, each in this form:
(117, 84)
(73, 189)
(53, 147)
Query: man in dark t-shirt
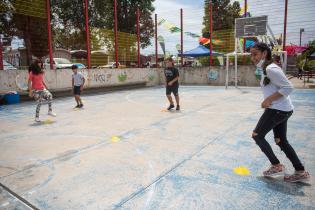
(171, 80)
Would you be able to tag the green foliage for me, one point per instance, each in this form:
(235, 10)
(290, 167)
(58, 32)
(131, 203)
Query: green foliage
(205, 61)
(69, 20)
(224, 14)
(302, 61)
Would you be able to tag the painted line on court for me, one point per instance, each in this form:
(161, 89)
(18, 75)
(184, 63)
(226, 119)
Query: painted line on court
(162, 175)
(16, 196)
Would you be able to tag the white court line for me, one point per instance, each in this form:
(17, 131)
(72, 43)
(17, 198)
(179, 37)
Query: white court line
(152, 190)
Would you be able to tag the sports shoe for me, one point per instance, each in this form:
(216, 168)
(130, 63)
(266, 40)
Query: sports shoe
(297, 176)
(51, 113)
(37, 119)
(171, 107)
(81, 105)
(177, 107)
(274, 170)
(77, 106)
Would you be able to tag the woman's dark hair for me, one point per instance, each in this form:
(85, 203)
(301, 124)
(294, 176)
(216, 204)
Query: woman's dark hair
(35, 68)
(262, 47)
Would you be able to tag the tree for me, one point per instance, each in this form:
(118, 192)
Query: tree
(224, 14)
(223, 20)
(69, 22)
(27, 25)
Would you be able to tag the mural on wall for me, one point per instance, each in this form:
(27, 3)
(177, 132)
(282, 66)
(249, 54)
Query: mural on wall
(151, 76)
(122, 77)
(96, 76)
(213, 75)
(21, 82)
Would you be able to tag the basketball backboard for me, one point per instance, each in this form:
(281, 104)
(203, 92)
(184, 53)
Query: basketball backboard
(251, 26)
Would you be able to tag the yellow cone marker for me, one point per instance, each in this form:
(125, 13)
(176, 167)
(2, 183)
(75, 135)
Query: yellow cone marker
(243, 171)
(48, 121)
(115, 139)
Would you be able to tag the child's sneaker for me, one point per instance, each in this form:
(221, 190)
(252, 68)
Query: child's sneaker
(297, 176)
(171, 107)
(177, 107)
(274, 170)
(52, 114)
(37, 119)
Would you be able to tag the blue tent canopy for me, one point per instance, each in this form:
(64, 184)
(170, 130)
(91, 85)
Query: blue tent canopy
(200, 51)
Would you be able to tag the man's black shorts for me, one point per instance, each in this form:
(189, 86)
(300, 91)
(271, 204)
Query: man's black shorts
(172, 89)
(77, 90)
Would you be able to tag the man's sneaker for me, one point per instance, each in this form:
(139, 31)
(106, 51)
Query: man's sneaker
(177, 107)
(52, 114)
(297, 176)
(37, 119)
(171, 107)
(77, 106)
(274, 170)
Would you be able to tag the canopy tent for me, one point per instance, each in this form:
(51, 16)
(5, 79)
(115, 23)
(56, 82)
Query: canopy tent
(200, 51)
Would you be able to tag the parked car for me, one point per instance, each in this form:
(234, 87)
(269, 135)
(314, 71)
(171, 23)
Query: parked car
(58, 63)
(8, 66)
(112, 65)
(80, 65)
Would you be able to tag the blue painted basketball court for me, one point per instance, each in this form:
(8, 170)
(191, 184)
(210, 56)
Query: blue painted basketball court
(122, 151)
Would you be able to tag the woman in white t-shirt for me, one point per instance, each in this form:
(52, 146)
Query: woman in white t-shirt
(278, 109)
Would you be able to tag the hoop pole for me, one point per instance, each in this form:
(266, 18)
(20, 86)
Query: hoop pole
(51, 61)
(181, 38)
(1, 56)
(156, 44)
(285, 24)
(236, 42)
(116, 32)
(87, 31)
(211, 30)
(138, 36)
(244, 44)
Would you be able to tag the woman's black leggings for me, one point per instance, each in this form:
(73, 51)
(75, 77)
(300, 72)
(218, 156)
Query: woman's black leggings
(277, 121)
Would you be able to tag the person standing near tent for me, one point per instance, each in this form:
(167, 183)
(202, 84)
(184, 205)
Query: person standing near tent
(171, 79)
(278, 109)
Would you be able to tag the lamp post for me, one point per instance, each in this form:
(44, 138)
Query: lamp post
(301, 31)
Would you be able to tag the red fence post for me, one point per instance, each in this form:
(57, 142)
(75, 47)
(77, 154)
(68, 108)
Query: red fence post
(210, 28)
(115, 31)
(156, 42)
(87, 31)
(244, 44)
(51, 61)
(181, 37)
(138, 36)
(1, 57)
(285, 24)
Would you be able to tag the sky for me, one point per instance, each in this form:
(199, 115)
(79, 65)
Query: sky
(300, 15)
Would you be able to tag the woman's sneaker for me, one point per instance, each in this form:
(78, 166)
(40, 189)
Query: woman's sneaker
(297, 176)
(51, 113)
(170, 107)
(274, 170)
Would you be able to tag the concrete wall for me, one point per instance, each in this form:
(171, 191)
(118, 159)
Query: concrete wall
(60, 80)
(215, 76)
